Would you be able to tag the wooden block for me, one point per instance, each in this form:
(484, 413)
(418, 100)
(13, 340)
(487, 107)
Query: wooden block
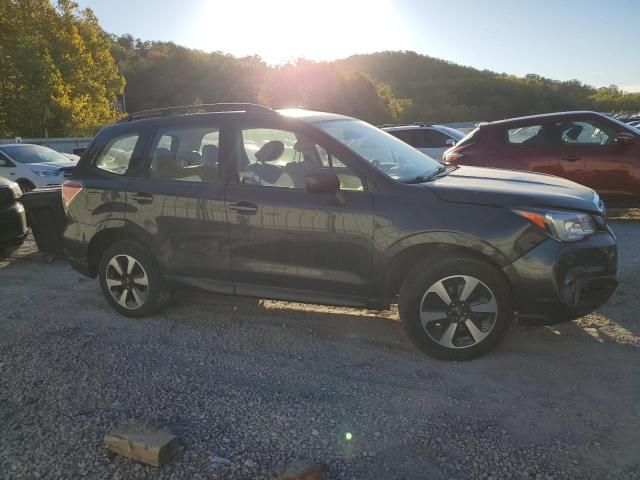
(299, 470)
(146, 445)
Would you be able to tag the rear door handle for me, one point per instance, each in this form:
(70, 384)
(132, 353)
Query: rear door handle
(142, 198)
(571, 158)
(244, 208)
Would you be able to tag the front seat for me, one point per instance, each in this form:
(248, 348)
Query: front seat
(309, 164)
(164, 164)
(263, 172)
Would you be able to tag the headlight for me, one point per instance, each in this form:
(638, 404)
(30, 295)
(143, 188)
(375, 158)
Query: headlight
(563, 226)
(46, 173)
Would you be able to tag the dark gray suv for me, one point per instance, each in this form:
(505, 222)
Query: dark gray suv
(323, 208)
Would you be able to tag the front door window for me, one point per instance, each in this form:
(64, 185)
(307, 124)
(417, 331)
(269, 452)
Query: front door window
(280, 158)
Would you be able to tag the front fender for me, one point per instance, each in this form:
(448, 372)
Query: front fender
(436, 240)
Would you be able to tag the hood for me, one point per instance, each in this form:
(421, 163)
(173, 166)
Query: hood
(52, 165)
(513, 188)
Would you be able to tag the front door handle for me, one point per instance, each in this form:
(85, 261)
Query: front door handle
(571, 158)
(244, 208)
(142, 198)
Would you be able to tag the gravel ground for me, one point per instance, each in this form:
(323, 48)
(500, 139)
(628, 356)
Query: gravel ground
(261, 382)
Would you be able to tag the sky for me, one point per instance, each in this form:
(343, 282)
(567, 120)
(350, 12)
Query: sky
(594, 41)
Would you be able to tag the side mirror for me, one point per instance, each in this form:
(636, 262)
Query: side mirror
(624, 138)
(450, 142)
(79, 151)
(322, 183)
(4, 163)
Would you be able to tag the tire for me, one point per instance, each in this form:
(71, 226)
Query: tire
(126, 292)
(448, 332)
(25, 185)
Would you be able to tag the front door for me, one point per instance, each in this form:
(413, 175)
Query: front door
(286, 242)
(590, 156)
(177, 200)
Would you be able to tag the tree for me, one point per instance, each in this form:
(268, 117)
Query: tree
(59, 77)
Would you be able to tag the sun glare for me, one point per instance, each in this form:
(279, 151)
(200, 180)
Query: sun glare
(283, 30)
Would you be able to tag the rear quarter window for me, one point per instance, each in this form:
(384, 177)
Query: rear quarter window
(115, 156)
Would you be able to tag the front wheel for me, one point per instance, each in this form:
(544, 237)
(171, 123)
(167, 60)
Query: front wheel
(130, 279)
(455, 309)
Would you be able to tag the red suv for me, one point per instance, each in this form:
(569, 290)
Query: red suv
(587, 147)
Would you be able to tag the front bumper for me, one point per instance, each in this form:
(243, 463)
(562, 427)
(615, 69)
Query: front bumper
(558, 282)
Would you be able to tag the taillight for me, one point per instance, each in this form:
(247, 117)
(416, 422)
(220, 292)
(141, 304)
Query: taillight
(455, 154)
(69, 190)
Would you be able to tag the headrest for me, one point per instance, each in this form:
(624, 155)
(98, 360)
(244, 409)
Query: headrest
(190, 158)
(210, 154)
(270, 151)
(162, 152)
(304, 146)
(574, 132)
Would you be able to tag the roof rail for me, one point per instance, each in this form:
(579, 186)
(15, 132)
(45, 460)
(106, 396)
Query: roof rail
(203, 108)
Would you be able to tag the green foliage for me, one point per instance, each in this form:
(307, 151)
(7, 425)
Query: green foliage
(58, 74)
(164, 74)
(62, 75)
(446, 92)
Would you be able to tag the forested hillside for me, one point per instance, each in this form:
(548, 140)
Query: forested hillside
(63, 75)
(443, 91)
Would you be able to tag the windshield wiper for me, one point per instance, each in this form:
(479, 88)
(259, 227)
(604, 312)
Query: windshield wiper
(432, 175)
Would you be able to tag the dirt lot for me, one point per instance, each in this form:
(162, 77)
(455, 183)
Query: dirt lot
(261, 382)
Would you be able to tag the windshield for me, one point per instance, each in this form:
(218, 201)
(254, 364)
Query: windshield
(34, 154)
(388, 154)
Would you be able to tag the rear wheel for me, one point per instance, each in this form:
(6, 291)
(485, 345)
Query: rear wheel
(455, 309)
(131, 280)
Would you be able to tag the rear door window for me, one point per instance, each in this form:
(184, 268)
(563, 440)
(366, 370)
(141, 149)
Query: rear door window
(431, 139)
(407, 136)
(186, 154)
(527, 135)
(115, 157)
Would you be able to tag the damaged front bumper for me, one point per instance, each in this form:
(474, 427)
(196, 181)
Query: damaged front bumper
(557, 281)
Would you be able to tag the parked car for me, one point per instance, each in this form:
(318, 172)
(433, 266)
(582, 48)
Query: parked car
(32, 166)
(72, 156)
(13, 221)
(323, 208)
(589, 148)
(433, 140)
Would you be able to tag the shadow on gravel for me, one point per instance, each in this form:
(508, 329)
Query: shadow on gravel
(351, 324)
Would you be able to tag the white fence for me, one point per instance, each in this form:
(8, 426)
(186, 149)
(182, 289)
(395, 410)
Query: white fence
(62, 145)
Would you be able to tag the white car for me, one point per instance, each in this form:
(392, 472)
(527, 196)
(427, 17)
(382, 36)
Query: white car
(32, 166)
(432, 140)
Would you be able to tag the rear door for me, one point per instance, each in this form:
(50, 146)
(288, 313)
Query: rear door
(528, 147)
(176, 199)
(432, 142)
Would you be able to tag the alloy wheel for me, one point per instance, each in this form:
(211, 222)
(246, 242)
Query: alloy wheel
(127, 281)
(458, 311)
